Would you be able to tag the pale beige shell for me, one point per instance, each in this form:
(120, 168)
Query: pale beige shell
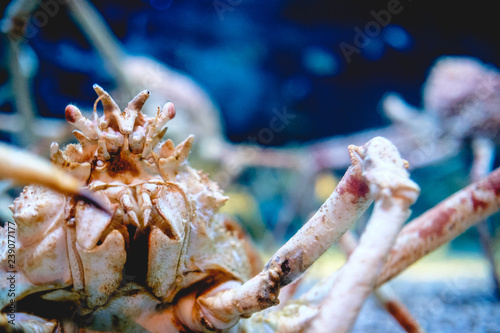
(165, 213)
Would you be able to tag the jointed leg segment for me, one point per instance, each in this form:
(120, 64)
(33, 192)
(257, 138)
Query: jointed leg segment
(386, 296)
(443, 223)
(349, 200)
(419, 237)
(357, 277)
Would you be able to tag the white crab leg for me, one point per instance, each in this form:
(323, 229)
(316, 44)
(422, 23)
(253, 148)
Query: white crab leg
(442, 223)
(349, 200)
(26, 168)
(24, 322)
(357, 277)
(432, 229)
(385, 294)
(418, 238)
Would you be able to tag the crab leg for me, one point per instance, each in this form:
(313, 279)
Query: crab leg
(357, 277)
(443, 223)
(27, 168)
(432, 229)
(385, 294)
(26, 323)
(15, 22)
(484, 153)
(419, 237)
(349, 200)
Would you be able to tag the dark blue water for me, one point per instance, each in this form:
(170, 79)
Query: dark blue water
(328, 62)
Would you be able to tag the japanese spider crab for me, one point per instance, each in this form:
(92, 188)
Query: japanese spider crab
(165, 260)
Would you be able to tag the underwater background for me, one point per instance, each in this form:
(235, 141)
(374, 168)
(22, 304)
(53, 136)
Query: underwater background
(328, 63)
(253, 56)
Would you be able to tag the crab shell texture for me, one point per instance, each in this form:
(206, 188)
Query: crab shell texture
(165, 233)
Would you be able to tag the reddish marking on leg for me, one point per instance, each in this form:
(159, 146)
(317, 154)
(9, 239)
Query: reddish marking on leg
(493, 185)
(438, 224)
(476, 203)
(354, 186)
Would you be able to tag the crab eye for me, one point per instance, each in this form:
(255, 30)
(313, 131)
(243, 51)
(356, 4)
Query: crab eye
(99, 163)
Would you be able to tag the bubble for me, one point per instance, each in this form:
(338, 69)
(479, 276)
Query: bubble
(320, 62)
(397, 37)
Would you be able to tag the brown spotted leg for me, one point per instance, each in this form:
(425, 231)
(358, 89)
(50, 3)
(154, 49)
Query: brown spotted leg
(419, 237)
(443, 223)
(394, 194)
(222, 307)
(484, 152)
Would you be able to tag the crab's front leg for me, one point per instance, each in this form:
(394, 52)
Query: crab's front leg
(25, 168)
(356, 280)
(23, 322)
(222, 307)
